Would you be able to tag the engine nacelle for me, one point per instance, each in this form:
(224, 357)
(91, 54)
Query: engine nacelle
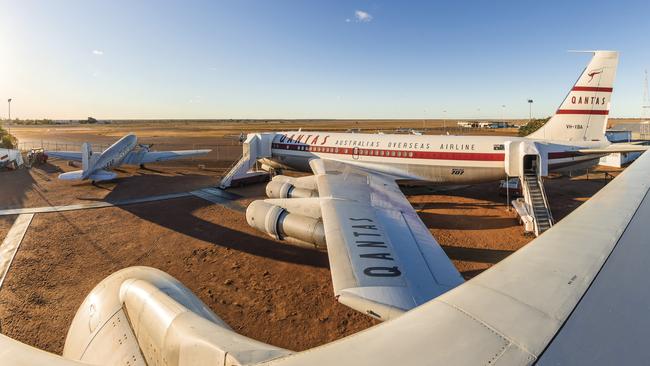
(287, 187)
(283, 225)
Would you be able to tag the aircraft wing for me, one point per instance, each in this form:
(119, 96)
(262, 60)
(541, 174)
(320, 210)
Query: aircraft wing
(616, 148)
(383, 259)
(65, 155)
(145, 157)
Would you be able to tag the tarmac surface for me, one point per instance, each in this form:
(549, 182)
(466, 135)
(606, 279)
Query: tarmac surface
(263, 288)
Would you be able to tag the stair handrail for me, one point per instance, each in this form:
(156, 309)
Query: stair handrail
(528, 200)
(232, 169)
(548, 207)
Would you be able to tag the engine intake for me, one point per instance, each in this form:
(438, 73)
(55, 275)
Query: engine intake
(282, 225)
(286, 187)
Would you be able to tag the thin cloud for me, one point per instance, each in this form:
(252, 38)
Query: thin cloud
(196, 99)
(98, 52)
(362, 16)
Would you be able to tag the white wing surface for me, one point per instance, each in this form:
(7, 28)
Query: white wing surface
(145, 157)
(383, 259)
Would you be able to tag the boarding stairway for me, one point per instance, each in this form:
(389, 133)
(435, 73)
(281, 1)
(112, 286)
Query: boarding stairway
(536, 202)
(256, 146)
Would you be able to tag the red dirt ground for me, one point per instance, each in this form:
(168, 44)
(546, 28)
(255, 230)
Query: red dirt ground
(264, 289)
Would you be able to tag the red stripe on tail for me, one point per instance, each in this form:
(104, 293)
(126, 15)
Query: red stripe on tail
(592, 88)
(582, 111)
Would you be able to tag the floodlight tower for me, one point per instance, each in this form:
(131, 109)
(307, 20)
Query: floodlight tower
(645, 106)
(9, 120)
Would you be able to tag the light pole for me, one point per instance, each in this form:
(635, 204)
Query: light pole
(444, 120)
(9, 122)
(530, 110)
(424, 119)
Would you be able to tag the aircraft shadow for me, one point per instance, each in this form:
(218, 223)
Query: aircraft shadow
(457, 222)
(47, 168)
(14, 187)
(454, 205)
(467, 275)
(147, 169)
(476, 254)
(177, 215)
(143, 184)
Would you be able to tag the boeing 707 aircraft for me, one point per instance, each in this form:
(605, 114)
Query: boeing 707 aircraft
(383, 259)
(126, 151)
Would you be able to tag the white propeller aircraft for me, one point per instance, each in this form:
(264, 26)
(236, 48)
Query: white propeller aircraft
(383, 259)
(125, 151)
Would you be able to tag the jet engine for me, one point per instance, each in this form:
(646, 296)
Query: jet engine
(280, 224)
(287, 187)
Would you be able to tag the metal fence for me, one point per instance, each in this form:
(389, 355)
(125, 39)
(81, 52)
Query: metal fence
(222, 155)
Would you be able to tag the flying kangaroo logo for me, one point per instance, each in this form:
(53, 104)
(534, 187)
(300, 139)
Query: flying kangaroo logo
(594, 73)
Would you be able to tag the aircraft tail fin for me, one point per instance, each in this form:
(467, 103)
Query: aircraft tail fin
(86, 153)
(583, 114)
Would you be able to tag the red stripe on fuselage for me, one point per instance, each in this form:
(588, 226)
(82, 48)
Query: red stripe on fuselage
(593, 89)
(564, 154)
(402, 154)
(582, 111)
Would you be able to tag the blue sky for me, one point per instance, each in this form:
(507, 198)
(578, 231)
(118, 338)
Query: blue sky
(308, 59)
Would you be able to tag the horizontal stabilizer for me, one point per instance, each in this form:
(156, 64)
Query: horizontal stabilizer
(616, 148)
(75, 175)
(97, 176)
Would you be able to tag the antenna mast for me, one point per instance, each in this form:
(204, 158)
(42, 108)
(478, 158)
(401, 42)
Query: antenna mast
(645, 107)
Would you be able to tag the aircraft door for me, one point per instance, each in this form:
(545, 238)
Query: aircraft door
(531, 163)
(355, 153)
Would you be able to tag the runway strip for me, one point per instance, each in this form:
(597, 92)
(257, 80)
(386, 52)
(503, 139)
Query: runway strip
(83, 206)
(10, 245)
(210, 194)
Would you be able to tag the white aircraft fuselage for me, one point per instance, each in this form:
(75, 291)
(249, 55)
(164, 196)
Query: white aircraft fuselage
(426, 158)
(577, 126)
(114, 155)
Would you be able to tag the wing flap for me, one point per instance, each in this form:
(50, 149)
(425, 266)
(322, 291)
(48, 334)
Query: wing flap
(361, 300)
